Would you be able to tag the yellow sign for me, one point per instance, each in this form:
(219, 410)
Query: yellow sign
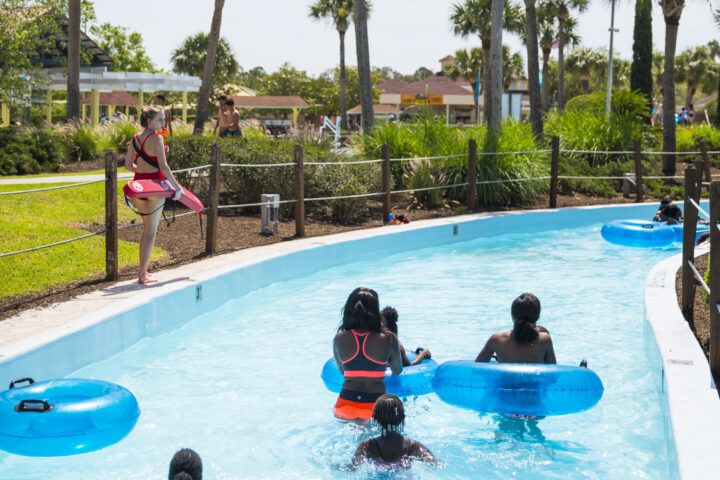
(422, 101)
(407, 99)
(435, 99)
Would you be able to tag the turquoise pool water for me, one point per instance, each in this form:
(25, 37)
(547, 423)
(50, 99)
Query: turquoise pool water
(241, 384)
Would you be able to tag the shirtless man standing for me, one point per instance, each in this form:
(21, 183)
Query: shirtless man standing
(233, 118)
(526, 342)
(223, 121)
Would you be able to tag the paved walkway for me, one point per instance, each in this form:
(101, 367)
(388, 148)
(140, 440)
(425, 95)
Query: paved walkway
(60, 179)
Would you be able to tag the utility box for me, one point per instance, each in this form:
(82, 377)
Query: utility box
(270, 202)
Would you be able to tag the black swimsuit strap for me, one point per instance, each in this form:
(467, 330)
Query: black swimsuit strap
(141, 153)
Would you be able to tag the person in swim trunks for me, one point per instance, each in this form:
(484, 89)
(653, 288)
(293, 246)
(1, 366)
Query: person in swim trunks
(363, 348)
(390, 317)
(146, 157)
(224, 119)
(391, 448)
(233, 117)
(526, 342)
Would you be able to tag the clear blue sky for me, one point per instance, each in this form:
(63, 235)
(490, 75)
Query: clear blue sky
(404, 34)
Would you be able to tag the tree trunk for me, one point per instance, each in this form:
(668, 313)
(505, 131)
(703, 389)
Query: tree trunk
(203, 104)
(363, 57)
(717, 104)
(486, 79)
(561, 65)
(641, 77)
(72, 110)
(671, 29)
(536, 114)
(496, 64)
(343, 95)
(691, 89)
(545, 89)
(585, 81)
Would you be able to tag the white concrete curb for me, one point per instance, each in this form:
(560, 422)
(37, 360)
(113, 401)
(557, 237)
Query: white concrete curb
(683, 376)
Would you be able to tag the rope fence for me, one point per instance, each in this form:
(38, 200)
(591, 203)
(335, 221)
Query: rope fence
(298, 164)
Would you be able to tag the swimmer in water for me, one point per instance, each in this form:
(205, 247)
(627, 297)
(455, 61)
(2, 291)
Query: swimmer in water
(391, 448)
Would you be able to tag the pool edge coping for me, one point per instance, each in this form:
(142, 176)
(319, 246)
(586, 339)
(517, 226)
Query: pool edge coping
(685, 380)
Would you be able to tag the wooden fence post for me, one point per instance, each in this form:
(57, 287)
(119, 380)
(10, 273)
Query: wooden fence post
(111, 214)
(299, 192)
(472, 174)
(714, 280)
(688, 253)
(386, 186)
(554, 167)
(699, 167)
(639, 195)
(212, 217)
(704, 154)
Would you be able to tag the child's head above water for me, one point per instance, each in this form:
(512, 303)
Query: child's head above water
(389, 414)
(525, 312)
(390, 316)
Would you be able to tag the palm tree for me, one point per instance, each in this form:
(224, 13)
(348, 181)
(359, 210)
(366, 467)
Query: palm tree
(474, 18)
(585, 61)
(467, 65)
(72, 109)
(695, 66)
(562, 10)
(339, 11)
(513, 66)
(531, 44)
(203, 105)
(494, 123)
(360, 9)
(672, 9)
(548, 35)
(714, 47)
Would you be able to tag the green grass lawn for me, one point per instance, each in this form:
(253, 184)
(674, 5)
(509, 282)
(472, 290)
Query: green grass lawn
(67, 174)
(34, 219)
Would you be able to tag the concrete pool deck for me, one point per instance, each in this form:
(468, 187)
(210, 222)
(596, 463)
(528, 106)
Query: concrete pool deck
(55, 341)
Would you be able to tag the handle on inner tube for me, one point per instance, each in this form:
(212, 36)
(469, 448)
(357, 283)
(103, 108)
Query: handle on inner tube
(33, 405)
(14, 383)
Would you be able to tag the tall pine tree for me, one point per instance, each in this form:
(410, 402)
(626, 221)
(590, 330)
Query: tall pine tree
(641, 70)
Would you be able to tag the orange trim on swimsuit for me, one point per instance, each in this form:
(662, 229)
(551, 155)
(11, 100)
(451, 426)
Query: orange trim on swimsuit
(348, 410)
(360, 364)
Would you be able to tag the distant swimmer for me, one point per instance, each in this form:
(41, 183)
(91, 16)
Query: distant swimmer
(668, 212)
(526, 342)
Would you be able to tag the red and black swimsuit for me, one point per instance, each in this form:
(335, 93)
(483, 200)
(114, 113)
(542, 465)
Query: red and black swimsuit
(151, 160)
(353, 405)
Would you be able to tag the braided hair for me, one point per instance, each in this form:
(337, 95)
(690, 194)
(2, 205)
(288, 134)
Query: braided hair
(362, 311)
(389, 414)
(185, 465)
(525, 312)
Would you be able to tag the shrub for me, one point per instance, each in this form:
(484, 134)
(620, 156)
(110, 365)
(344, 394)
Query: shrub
(688, 140)
(83, 142)
(118, 135)
(246, 184)
(430, 137)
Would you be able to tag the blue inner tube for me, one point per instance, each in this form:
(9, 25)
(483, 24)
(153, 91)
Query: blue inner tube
(414, 380)
(643, 233)
(65, 417)
(517, 388)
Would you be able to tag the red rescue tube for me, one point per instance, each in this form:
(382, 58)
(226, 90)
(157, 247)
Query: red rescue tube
(161, 188)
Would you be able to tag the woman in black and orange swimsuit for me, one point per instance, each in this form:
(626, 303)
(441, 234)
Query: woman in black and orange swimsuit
(363, 348)
(146, 157)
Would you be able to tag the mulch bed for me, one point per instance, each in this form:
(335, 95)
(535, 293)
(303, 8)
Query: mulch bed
(700, 323)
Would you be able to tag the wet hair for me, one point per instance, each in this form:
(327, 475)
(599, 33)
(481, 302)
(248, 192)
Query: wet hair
(148, 113)
(665, 201)
(389, 414)
(362, 311)
(390, 317)
(160, 96)
(185, 465)
(525, 312)
(230, 102)
(222, 97)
